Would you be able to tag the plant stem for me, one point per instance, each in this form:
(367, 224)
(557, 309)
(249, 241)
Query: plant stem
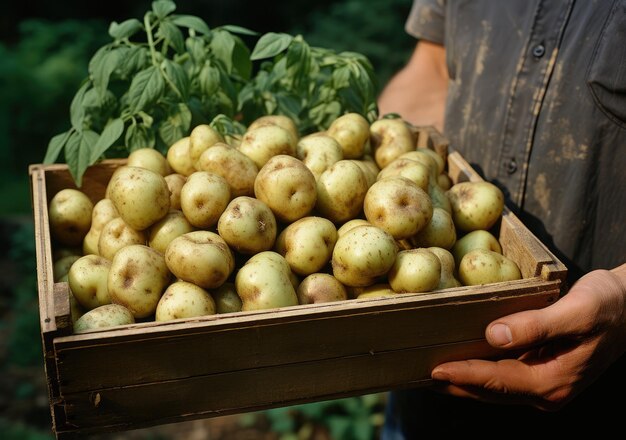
(148, 26)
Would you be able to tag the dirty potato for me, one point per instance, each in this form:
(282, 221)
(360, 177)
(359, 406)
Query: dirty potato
(175, 184)
(439, 232)
(416, 271)
(234, 166)
(475, 240)
(117, 234)
(87, 279)
(352, 132)
(318, 152)
(266, 141)
(203, 198)
(184, 300)
(482, 266)
(320, 288)
(173, 225)
(390, 139)
(248, 225)
(109, 315)
(475, 205)
(341, 190)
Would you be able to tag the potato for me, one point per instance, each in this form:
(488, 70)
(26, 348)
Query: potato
(173, 225)
(248, 225)
(390, 139)
(287, 186)
(362, 255)
(184, 300)
(202, 137)
(61, 267)
(416, 271)
(447, 279)
(370, 172)
(179, 157)
(475, 240)
(117, 234)
(380, 290)
(200, 257)
(439, 198)
(341, 190)
(150, 159)
(444, 181)
(266, 141)
(234, 166)
(351, 224)
(203, 198)
(318, 152)
(475, 205)
(140, 196)
(87, 279)
(307, 244)
(264, 282)
(411, 169)
(398, 206)
(109, 315)
(482, 266)
(76, 310)
(352, 132)
(175, 184)
(424, 158)
(439, 232)
(69, 215)
(319, 288)
(137, 277)
(441, 164)
(103, 212)
(226, 299)
(282, 121)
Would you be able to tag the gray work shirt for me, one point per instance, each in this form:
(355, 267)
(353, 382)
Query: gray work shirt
(537, 104)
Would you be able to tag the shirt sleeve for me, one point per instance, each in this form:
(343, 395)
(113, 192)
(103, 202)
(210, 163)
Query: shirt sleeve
(426, 20)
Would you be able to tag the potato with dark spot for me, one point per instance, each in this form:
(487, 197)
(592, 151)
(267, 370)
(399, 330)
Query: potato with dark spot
(87, 280)
(475, 205)
(287, 186)
(266, 141)
(226, 299)
(362, 255)
(318, 152)
(140, 196)
(248, 225)
(307, 244)
(117, 234)
(264, 282)
(482, 266)
(203, 198)
(235, 167)
(320, 288)
(200, 257)
(69, 215)
(340, 192)
(102, 317)
(415, 271)
(184, 300)
(398, 206)
(137, 278)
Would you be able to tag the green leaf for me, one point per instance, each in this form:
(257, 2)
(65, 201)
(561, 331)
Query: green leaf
(55, 146)
(145, 89)
(162, 8)
(76, 107)
(125, 29)
(176, 125)
(172, 35)
(77, 153)
(222, 45)
(209, 79)
(102, 68)
(191, 22)
(270, 45)
(341, 77)
(238, 30)
(109, 135)
(195, 47)
(176, 74)
(139, 136)
(241, 59)
(134, 59)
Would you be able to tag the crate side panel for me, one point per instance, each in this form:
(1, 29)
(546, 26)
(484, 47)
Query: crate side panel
(199, 350)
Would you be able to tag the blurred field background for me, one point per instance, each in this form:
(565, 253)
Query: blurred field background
(44, 51)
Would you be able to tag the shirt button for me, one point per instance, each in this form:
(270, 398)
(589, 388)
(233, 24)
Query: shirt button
(539, 50)
(511, 167)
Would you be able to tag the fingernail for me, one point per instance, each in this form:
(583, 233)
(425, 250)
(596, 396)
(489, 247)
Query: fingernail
(500, 334)
(439, 374)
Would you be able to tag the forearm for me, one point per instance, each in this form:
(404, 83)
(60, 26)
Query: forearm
(418, 91)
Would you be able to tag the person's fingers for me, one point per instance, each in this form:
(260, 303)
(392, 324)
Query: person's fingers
(576, 314)
(475, 393)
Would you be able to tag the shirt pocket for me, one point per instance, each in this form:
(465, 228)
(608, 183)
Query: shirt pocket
(606, 76)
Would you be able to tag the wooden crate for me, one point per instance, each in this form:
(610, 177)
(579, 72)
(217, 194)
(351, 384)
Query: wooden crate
(155, 373)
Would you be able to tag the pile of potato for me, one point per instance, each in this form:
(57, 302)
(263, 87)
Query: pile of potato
(273, 220)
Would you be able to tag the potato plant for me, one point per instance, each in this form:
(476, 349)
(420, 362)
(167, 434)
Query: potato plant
(308, 231)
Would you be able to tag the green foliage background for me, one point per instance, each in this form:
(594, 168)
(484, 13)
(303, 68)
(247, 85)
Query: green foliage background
(43, 59)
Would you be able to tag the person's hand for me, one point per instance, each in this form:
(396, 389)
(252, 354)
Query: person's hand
(568, 345)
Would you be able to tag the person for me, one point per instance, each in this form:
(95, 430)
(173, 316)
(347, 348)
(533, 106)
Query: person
(533, 95)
